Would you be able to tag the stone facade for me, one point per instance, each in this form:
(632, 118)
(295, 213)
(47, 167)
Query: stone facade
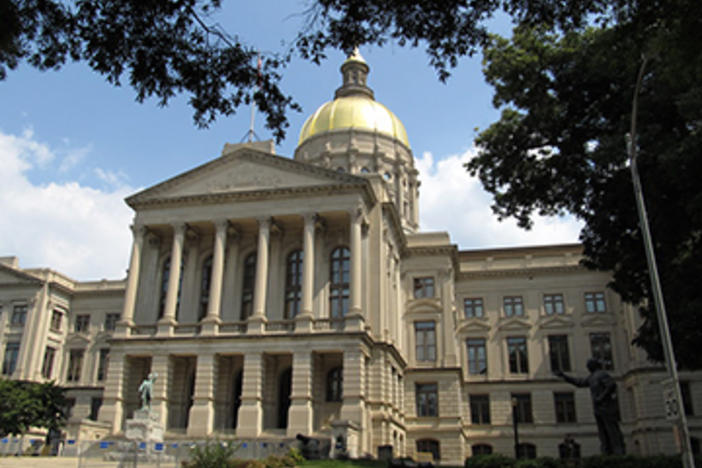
(278, 296)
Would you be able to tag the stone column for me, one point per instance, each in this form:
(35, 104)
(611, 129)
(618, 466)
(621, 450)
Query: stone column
(304, 320)
(300, 412)
(162, 365)
(201, 420)
(258, 318)
(354, 320)
(250, 420)
(353, 403)
(112, 410)
(127, 319)
(213, 317)
(165, 325)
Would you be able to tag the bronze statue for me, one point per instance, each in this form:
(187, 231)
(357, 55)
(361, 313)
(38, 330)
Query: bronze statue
(146, 389)
(603, 390)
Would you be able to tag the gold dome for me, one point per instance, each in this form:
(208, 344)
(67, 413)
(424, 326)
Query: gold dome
(354, 112)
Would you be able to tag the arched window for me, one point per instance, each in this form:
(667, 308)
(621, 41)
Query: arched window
(431, 446)
(247, 287)
(695, 445)
(165, 275)
(293, 284)
(481, 449)
(335, 384)
(526, 450)
(339, 272)
(205, 281)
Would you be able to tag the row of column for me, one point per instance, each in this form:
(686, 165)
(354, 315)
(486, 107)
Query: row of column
(250, 420)
(257, 319)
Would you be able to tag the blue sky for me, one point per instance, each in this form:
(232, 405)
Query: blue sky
(72, 147)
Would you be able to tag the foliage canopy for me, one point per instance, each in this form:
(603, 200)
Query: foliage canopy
(28, 404)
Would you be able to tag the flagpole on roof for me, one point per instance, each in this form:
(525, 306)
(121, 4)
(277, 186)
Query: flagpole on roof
(251, 133)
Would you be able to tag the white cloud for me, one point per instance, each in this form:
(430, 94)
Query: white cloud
(451, 200)
(77, 230)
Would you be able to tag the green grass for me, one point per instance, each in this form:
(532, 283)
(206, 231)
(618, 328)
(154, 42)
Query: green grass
(343, 464)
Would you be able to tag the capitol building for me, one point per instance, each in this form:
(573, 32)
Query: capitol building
(277, 296)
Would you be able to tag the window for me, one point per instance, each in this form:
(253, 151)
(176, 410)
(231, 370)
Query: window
(473, 307)
(553, 304)
(103, 360)
(111, 321)
(335, 384)
(565, 407)
(56, 319)
(82, 323)
(477, 356)
(19, 315)
(47, 367)
(427, 399)
(95, 404)
(513, 306)
(339, 272)
(481, 449)
(526, 450)
(517, 350)
(247, 286)
(558, 351)
(75, 363)
(430, 446)
(205, 281)
(425, 335)
(686, 398)
(521, 405)
(595, 302)
(293, 284)
(602, 349)
(480, 409)
(10, 362)
(423, 287)
(695, 445)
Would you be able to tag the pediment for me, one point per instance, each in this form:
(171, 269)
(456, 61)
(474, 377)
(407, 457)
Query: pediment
(11, 276)
(557, 321)
(77, 340)
(431, 305)
(474, 325)
(597, 320)
(242, 171)
(513, 323)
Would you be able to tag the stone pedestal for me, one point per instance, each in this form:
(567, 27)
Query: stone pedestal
(345, 439)
(144, 427)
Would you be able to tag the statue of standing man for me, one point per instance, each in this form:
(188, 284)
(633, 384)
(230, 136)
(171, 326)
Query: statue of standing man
(603, 390)
(146, 389)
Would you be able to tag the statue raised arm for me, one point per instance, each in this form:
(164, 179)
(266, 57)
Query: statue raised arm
(146, 389)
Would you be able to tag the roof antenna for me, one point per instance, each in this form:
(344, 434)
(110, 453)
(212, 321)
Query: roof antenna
(250, 134)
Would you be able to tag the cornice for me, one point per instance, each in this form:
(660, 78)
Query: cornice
(21, 274)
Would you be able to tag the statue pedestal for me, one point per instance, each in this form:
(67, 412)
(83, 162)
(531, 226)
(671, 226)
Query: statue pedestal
(144, 427)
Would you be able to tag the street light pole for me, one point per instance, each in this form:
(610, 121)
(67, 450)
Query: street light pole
(515, 426)
(669, 353)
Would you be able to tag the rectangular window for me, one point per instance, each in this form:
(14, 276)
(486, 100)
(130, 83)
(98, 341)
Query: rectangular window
(601, 348)
(47, 368)
(111, 321)
(473, 307)
(425, 335)
(19, 315)
(687, 398)
(518, 359)
(565, 407)
(553, 304)
(513, 306)
(480, 409)
(477, 356)
(103, 359)
(56, 319)
(423, 287)
(10, 362)
(521, 405)
(95, 404)
(427, 399)
(558, 351)
(82, 323)
(595, 302)
(75, 364)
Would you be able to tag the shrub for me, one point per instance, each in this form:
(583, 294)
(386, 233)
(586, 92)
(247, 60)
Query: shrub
(494, 460)
(296, 455)
(212, 455)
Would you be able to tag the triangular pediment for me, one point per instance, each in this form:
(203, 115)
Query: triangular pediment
(474, 325)
(557, 321)
(243, 171)
(514, 323)
(596, 320)
(77, 340)
(10, 275)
